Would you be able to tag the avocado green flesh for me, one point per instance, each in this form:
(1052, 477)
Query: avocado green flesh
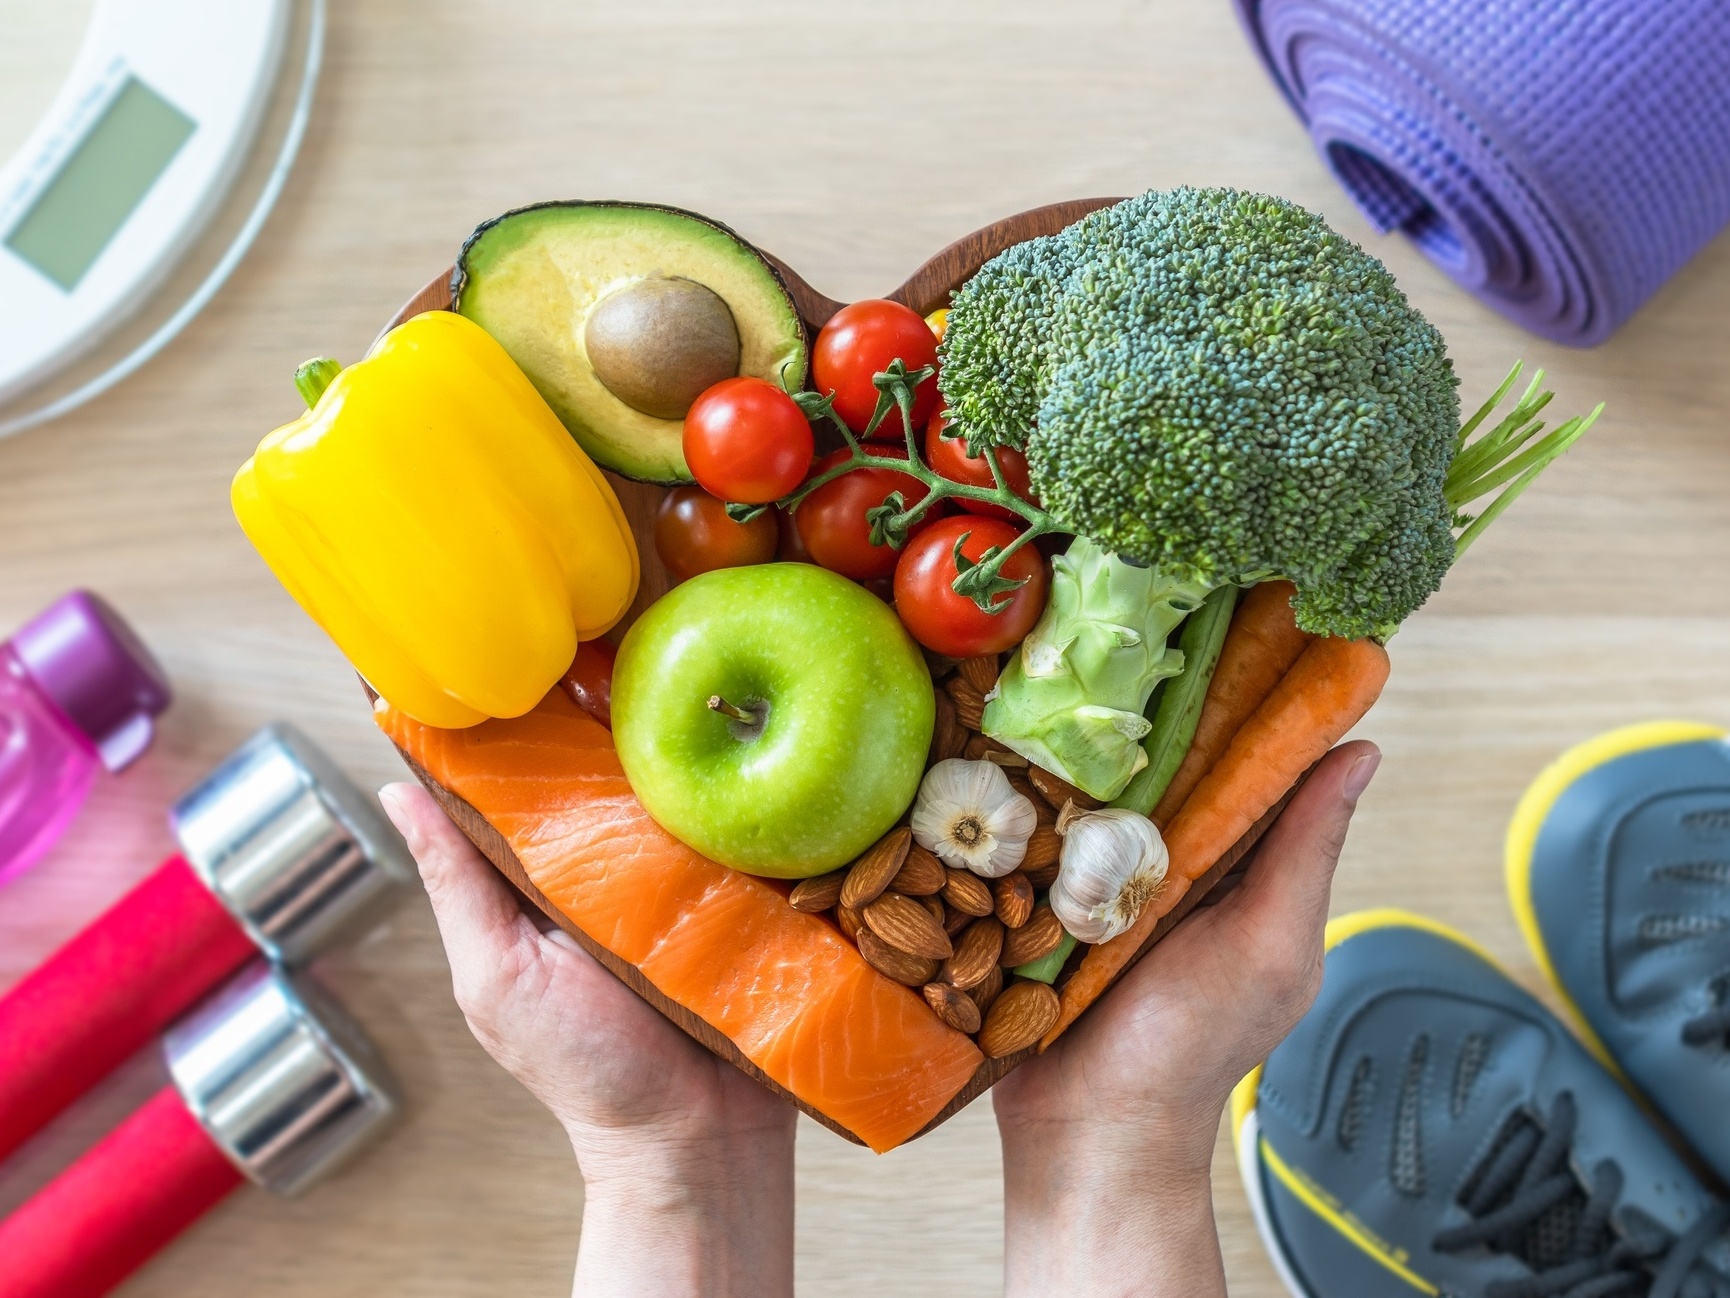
(531, 278)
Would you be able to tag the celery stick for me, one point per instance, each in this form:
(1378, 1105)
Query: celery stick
(1180, 702)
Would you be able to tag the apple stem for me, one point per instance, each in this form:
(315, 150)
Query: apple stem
(726, 709)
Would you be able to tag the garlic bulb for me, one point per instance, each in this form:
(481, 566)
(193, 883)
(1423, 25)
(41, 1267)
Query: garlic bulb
(1113, 864)
(972, 818)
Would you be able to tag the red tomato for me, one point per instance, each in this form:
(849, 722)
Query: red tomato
(832, 523)
(693, 534)
(589, 681)
(859, 341)
(748, 441)
(952, 624)
(948, 457)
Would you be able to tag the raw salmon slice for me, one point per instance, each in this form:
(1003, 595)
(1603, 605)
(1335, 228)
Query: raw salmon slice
(794, 995)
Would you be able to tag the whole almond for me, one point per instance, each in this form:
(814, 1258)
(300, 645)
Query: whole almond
(1018, 1018)
(911, 970)
(955, 920)
(815, 895)
(981, 749)
(870, 874)
(953, 1006)
(980, 672)
(934, 907)
(1044, 847)
(1058, 791)
(968, 699)
(1042, 877)
(904, 923)
(976, 952)
(1014, 899)
(1040, 936)
(850, 920)
(921, 874)
(948, 735)
(987, 991)
(966, 891)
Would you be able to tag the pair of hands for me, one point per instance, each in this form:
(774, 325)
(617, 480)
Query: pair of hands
(1107, 1138)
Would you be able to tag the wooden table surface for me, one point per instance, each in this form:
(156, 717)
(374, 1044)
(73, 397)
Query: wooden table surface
(851, 139)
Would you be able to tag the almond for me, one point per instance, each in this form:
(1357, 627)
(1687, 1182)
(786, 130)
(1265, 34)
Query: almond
(966, 891)
(911, 970)
(976, 953)
(953, 1006)
(980, 672)
(955, 920)
(968, 699)
(934, 907)
(948, 735)
(1042, 877)
(850, 920)
(816, 895)
(1059, 791)
(1018, 1018)
(1014, 899)
(870, 874)
(987, 991)
(1040, 936)
(981, 749)
(921, 874)
(905, 923)
(1044, 847)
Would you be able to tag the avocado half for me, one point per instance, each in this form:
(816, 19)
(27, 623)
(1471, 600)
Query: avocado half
(647, 278)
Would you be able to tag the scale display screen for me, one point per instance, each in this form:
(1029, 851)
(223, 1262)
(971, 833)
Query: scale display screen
(107, 175)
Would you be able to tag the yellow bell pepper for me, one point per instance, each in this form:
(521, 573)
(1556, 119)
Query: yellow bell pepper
(433, 515)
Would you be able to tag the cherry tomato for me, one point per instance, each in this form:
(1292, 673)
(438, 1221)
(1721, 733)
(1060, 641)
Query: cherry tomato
(792, 548)
(693, 534)
(746, 440)
(859, 341)
(832, 523)
(948, 457)
(952, 624)
(589, 681)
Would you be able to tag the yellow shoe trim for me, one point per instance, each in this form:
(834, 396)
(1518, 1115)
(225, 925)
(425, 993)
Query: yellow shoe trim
(1330, 1210)
(1534, 808)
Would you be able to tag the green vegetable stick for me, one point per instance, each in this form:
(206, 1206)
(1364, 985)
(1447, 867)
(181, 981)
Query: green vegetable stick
(1180, 702)
(1047, 967)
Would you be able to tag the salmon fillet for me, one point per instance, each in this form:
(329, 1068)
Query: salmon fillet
(795, 996)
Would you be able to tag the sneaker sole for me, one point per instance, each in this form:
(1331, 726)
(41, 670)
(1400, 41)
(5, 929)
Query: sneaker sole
(1528, 821)
(1250, 1152)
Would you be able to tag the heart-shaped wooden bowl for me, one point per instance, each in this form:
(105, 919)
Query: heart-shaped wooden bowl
(925, 290)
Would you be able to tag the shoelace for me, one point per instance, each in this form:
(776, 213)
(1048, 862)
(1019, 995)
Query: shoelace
(1529, 1177)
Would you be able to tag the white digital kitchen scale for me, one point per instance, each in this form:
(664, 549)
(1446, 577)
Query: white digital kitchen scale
(143, 186)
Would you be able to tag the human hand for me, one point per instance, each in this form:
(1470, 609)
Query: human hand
(1108, 1137)
(687, 1163)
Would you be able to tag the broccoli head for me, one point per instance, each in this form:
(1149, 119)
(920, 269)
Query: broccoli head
(1223, 388)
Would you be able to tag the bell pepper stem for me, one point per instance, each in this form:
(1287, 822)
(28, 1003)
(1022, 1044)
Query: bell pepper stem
(312, 377)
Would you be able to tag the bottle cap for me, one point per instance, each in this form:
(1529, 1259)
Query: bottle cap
(299, 856)
(83, 656)
(281, 1079)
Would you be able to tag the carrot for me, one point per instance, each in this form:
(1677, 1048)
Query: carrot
(1264, 641)
(1326, 692)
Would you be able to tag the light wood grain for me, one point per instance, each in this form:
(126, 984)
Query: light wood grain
(851, 138)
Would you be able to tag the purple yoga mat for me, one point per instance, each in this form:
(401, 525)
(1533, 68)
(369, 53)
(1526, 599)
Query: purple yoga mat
(1561, 159)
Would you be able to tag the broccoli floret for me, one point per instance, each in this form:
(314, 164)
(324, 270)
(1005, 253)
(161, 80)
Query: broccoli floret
(994, 349)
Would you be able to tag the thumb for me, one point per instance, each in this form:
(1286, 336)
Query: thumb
(478, 918)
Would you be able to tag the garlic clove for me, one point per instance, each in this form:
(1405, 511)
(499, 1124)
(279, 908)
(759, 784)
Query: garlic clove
(970, 816)
(1114, 862)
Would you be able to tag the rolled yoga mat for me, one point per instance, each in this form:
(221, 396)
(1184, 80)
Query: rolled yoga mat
(1561, 159)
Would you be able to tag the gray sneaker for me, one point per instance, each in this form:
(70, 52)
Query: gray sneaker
(1430, 1128)
(1618, 866)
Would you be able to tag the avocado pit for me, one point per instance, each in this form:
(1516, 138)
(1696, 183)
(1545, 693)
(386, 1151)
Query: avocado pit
(658, 343)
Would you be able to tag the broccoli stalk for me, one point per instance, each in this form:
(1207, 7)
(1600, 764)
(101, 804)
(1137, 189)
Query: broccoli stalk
(1072, 699)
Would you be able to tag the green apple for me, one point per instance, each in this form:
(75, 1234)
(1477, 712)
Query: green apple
(775, 718)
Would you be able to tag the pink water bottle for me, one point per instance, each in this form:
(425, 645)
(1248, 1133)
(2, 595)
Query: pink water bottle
(78, 693)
